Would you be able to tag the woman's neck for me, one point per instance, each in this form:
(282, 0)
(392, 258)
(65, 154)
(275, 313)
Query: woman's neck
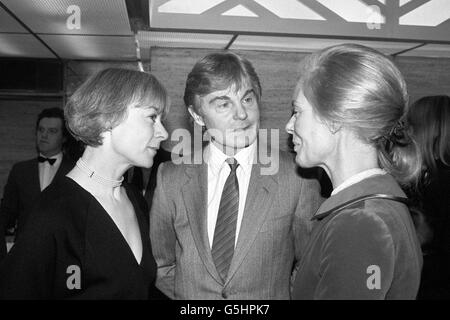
(104, 164)
(97, 172)
(353, 157)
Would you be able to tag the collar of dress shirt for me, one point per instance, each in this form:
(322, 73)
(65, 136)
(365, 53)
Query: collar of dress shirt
(215, 158)
(357, 178)
(57, 156)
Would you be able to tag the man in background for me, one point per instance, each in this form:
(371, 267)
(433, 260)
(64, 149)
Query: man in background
(27, 179)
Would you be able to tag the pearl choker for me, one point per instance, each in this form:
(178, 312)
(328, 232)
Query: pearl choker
(96, 177)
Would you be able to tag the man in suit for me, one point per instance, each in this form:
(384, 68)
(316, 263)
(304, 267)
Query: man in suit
(27, 179)
(225, 228)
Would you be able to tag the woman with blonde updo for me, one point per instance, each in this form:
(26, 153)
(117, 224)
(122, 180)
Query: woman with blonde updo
(349, 111)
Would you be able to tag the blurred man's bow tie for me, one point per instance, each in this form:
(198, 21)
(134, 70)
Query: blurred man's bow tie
(42, 159)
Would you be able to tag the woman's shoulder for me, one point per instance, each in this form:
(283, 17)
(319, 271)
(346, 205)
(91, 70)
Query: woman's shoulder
(359, 217)
(61, 202)
(64, 192)
(372, 219)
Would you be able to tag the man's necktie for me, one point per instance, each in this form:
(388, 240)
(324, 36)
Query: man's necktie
(225, 231)
(49, 160)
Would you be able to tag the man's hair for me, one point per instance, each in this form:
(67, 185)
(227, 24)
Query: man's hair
(219, 71)
(53, 113)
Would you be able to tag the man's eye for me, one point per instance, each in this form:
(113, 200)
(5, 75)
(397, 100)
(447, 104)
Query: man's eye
(153, 117)
(223, 105)
(248, 100)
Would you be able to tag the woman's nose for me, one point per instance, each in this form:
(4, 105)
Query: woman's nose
(290, 125)
(162, 132)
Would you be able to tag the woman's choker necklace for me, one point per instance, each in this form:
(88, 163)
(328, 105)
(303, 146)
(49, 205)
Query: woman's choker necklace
(96, 177)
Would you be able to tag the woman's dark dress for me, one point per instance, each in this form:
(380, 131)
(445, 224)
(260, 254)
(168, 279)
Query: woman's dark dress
(435, 200)
(72, 249)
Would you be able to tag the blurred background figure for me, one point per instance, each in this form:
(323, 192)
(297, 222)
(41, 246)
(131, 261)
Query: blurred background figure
(88, 237)
(430, 123)
(27, 179)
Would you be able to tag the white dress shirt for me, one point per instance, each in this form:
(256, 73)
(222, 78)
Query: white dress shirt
(357, 178)
(47, 171)
(218, 172)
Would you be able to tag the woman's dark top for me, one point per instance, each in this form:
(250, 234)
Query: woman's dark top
(72, 249)
(435, 202)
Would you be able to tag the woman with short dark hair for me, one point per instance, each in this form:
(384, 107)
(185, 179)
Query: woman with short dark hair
(88, 236)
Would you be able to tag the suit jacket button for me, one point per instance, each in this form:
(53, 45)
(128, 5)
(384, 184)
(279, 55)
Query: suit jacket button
(224, 295)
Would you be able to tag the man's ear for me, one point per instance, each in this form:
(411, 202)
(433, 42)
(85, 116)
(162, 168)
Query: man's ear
(197, 118)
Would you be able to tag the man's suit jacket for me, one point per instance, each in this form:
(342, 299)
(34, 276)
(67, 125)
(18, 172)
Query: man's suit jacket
(274, 229)
(22, 191)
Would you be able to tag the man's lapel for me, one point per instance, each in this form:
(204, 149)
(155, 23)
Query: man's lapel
(195, 193)
(33, 175)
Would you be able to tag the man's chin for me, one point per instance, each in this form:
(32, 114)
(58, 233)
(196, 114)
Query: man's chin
(243, 142)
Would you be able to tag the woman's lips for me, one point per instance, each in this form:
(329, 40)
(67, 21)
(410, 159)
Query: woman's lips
(297, 144)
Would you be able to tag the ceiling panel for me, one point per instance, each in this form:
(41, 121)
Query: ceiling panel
(105, 32)
(108, 17)
(422, 21)
(92, 47)
(9, 24)
(430, 50)
(310, 44)
(22, 46)
(149, 39)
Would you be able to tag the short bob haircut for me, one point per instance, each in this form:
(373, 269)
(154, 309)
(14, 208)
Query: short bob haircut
(219, 71)
(101, 103)
(361, 89)
(429, 118)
